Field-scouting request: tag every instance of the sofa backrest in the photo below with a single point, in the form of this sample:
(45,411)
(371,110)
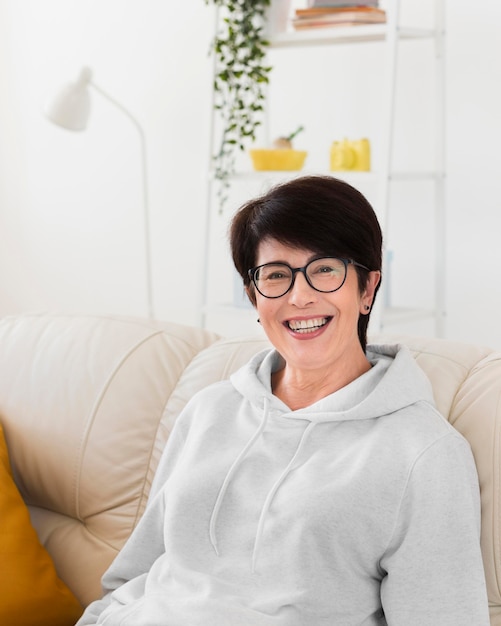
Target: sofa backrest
(81,403)
(87,404)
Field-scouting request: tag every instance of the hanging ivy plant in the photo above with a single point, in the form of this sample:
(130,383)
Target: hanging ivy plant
(241,75)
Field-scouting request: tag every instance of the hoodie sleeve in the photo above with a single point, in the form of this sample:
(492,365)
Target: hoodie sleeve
(145,544)
(433,564)
(132,563)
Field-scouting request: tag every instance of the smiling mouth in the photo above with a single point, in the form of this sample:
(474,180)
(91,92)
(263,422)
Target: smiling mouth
(308,326)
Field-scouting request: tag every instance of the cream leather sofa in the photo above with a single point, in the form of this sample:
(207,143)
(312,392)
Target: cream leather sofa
(87,404)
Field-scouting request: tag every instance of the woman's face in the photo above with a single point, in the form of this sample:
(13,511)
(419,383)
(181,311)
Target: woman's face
(331,318)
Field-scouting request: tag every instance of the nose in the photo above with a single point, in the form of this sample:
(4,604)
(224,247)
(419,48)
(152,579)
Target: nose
(301,293)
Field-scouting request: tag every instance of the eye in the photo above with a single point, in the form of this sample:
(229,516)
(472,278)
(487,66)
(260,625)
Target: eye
(277,277)
(274,273)
(326,268)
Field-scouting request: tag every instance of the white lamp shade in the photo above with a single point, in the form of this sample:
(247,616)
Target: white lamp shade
(70,108)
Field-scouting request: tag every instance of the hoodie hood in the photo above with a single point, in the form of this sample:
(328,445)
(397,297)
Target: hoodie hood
(394,382)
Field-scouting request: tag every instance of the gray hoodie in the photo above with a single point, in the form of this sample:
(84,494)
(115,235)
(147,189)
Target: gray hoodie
(360,509)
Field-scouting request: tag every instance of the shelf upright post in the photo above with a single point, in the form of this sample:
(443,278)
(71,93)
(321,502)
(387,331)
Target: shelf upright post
(204,290)
(440,199)
(387,131)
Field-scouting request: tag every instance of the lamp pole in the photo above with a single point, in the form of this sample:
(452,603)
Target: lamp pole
(70,109)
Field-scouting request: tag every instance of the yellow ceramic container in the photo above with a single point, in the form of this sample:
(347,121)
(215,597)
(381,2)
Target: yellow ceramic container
(278,160)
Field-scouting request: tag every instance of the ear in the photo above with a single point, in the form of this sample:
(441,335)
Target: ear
(251,294)
(369,292)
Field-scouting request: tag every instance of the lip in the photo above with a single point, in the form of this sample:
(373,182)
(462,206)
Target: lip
(306,327)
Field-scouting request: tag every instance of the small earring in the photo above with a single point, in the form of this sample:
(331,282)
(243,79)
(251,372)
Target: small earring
(258,321)
(367,307)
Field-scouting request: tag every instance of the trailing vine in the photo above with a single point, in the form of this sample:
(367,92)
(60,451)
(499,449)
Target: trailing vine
(239,83)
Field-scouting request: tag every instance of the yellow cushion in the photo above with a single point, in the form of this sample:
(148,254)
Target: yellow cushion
(31,594)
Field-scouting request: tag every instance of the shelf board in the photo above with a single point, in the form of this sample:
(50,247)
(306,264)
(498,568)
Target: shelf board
(417,175)
(352,177)
(398,315)
(225,318)
(344,34)
(390,315)
(229,309)
(287,175)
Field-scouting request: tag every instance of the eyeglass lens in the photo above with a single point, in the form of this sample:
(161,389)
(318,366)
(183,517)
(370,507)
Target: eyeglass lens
(275,279)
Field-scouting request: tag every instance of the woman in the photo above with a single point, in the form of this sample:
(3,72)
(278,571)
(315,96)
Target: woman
(319,486)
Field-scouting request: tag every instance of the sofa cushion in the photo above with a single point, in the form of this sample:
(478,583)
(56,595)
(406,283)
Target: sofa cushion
(31,593)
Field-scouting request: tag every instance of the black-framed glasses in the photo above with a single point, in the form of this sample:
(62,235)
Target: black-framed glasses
(326,274)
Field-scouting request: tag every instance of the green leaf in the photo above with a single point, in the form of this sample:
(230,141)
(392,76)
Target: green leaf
(240,51)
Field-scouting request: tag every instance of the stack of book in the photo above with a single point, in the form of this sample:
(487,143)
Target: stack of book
(343,3)
(338,13)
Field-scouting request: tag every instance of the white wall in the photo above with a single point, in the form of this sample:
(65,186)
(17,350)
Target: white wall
(474,181)
(71,224)
(71,234)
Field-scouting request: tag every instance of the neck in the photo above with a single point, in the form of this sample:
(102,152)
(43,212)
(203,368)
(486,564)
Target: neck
(299,388)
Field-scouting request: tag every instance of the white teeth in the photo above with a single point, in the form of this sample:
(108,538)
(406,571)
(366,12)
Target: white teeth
(307,326)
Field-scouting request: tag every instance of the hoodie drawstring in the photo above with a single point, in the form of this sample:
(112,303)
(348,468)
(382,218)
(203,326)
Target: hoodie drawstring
(230,474)
(273,491)
(269,498)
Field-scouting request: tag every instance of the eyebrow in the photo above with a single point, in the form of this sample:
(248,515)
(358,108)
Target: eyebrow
(313,257)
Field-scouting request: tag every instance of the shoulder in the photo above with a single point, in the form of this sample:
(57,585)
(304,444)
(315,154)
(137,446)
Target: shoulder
(420,426)
(416,439)
(217,394)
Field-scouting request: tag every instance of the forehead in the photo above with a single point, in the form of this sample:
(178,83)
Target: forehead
(271,250)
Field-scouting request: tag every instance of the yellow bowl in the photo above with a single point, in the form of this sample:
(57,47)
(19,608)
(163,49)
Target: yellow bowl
(285,160)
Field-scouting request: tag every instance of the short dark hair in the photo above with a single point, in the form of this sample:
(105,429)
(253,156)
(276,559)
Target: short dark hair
(318,213)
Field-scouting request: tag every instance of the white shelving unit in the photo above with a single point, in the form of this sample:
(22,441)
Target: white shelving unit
(230,319)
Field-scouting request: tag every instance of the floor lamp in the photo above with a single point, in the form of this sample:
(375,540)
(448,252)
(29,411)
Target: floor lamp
(70,108)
